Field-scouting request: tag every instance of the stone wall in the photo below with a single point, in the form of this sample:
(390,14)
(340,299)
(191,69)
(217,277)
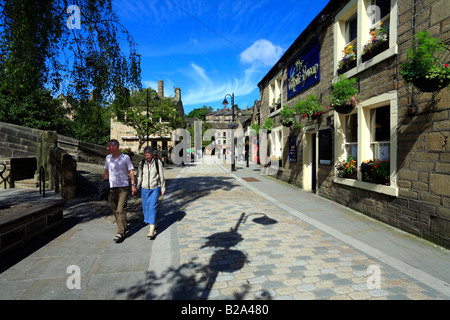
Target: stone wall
(24,150)
(27,222)
(422,206)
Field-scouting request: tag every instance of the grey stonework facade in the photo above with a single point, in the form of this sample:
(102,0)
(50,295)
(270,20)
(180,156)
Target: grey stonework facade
(417,198)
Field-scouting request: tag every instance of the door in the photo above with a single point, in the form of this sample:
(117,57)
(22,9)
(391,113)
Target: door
(310,161)
(313,162)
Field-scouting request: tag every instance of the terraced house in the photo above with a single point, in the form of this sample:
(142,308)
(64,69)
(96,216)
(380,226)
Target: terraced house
(386,152)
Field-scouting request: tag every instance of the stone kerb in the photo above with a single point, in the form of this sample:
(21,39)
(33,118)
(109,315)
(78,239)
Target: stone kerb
(25,223)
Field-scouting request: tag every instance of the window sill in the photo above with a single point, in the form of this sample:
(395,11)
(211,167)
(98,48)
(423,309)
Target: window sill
(392,51)
(379,188)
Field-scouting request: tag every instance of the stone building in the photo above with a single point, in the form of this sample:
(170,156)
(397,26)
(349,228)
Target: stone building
(162,142)
(394,120)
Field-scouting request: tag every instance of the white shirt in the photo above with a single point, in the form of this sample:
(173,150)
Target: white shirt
(118,170)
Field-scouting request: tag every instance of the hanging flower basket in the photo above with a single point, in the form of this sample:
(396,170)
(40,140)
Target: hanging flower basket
(287,118)
(344,96)
(425,67)
(344,108)
(287,123)
(430,85)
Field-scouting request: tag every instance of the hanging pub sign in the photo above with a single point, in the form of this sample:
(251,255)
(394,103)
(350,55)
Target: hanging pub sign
(304,69)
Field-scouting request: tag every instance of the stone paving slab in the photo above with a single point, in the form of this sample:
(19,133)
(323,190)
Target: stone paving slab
(235,244)
(218,238)
(108,270)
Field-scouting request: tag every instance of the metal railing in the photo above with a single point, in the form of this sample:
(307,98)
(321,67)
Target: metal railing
(42,181)
(2,171)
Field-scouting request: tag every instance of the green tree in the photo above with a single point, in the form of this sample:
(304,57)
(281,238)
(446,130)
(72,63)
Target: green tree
(163,114)
(41,56)
(200,113)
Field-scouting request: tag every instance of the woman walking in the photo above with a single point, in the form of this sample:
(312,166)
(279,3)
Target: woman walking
(151,183)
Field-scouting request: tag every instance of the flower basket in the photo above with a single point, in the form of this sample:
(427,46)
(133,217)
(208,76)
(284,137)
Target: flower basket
(424,67)
(378,43)
(347,169)
(344,96)
(344,108)
(310,108)
(375,51)
(287,123)
(348,61)
(430,85)
(347,67)
(376,171)
(316,116)
(287,117)
(126,151)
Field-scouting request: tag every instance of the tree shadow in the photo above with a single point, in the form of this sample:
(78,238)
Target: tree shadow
(194,280)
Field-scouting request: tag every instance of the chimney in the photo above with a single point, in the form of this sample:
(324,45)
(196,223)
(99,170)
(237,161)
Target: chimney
(160,88)
(178,94)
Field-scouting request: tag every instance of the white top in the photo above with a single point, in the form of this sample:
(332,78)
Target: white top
(118,170)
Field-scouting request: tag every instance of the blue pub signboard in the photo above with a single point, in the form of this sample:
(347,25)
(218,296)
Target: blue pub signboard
(304,69)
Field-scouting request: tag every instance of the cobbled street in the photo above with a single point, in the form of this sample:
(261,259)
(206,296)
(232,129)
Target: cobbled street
(221,236)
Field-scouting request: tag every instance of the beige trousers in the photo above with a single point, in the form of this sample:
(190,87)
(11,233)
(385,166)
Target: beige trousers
(118,202)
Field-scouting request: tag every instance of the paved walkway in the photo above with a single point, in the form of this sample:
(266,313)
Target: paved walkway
(227,235)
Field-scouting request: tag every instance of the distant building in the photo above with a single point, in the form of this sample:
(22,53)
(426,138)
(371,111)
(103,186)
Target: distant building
(162,142)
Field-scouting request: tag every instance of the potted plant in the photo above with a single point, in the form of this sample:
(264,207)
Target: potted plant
(424,67)
(347,168)
(127,151)
(310,108)
(268,124)
(255,127)
(232,125)
(348,60)
(377,44)
(287,116)
(376,171)
(344,96)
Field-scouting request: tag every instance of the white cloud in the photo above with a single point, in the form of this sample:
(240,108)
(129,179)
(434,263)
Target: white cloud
(262,51)
(204,89)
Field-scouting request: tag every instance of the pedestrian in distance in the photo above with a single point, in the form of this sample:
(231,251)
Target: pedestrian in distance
(151,182)
(118,167)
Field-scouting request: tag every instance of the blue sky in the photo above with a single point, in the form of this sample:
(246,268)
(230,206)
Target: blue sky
(211,48)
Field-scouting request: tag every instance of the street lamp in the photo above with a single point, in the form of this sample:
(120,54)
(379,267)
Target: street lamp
(156,98)
(225,103)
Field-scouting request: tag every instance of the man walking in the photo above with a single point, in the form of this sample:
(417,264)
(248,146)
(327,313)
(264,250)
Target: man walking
(118,167)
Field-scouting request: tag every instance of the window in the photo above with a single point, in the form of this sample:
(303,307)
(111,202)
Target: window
(356,26)
(369,134)
(380,133)
(352,30)
(275,92)
(351,136)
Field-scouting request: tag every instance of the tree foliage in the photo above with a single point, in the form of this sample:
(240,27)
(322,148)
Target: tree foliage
(40,56)
(131,110)
(200,113)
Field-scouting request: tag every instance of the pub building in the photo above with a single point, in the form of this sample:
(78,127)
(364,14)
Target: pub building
(388,154)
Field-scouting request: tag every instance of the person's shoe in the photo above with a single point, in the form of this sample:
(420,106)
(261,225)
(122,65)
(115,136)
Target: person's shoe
(151,233)
(119,238)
